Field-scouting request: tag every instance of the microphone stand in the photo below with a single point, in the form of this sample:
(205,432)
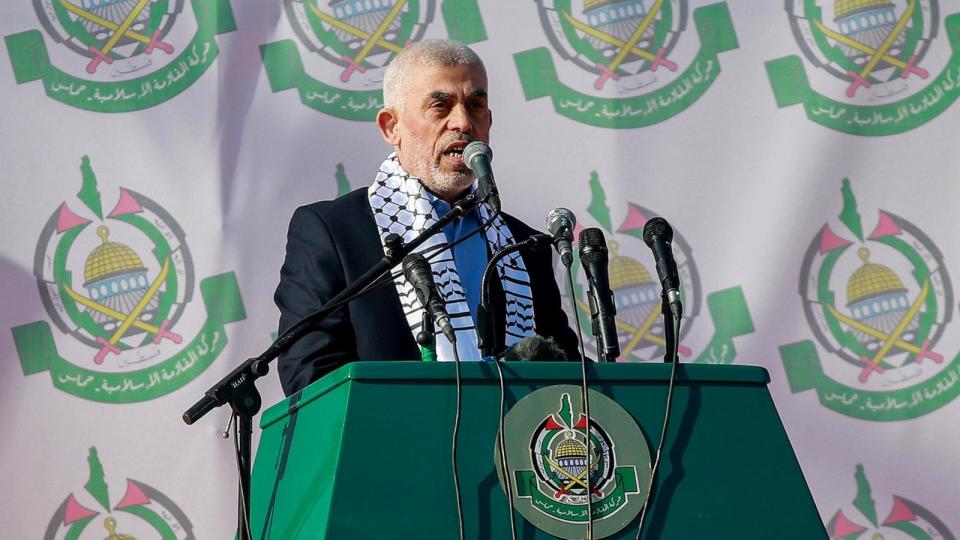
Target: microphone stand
(486,338)
(238,388)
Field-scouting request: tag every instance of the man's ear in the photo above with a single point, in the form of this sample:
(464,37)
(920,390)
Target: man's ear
(388,121)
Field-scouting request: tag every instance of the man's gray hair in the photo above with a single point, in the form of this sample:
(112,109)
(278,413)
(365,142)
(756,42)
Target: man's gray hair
(429,52)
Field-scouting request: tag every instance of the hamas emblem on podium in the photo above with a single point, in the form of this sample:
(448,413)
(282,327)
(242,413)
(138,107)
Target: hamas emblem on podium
(142,512)
(879,304)
(904,519)
(637,293)
(625,63)
(119,289)
(348,44)
(127,55)
(877,67)
(553,472)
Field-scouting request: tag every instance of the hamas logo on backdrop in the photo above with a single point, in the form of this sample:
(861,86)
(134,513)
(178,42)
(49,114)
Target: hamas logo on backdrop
(553,472)
(878,67)
(879,304)
(637,293)
(904,519)
(625,63)
(142,512)
(127,55)
(119,289)
(348,44)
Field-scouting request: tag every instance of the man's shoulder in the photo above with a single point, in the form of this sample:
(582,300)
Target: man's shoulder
(352,201)
(344,210)
(520,230)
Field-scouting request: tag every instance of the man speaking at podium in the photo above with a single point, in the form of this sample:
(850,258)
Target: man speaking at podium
(435,102)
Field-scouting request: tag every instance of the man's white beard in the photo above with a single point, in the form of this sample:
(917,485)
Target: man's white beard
(441,181)
(449,182)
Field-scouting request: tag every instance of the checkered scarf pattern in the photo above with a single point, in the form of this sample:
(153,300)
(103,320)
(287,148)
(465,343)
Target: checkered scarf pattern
(401,205)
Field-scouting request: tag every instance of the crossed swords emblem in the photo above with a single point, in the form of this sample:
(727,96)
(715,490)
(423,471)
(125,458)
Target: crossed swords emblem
(574,479)
(871,365)
(128,319)
(879,54)
(119,31)
(370,40)
(626,48)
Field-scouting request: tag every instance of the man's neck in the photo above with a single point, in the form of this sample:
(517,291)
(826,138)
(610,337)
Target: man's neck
(452,196)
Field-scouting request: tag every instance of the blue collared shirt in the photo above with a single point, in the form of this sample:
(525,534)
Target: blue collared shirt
(470,256)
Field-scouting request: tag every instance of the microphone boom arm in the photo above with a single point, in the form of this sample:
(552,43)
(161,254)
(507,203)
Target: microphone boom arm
(256,367)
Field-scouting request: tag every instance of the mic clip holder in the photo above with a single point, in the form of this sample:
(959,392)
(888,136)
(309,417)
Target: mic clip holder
(670,337)
(425,337)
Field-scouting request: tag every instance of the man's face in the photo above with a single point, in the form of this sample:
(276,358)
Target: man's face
(444,108)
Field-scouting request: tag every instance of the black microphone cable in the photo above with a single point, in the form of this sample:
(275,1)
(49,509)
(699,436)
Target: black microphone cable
(456,432)
(417,271)
(583,391)
(534,242)
(502,450)
(666,421)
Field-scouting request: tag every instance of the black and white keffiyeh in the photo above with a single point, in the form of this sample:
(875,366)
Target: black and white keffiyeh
(402,206)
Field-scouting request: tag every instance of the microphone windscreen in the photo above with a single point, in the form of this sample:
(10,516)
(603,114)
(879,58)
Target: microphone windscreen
(657,228)
(474,149)
(534,349)
(558,218)
(593,246)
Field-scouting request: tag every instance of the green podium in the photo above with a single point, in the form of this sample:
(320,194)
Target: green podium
(364,453)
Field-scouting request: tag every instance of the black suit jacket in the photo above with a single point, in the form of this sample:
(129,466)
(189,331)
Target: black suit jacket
(331,244)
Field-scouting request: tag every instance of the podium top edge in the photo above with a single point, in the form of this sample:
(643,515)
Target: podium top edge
(545,373)
(558,372)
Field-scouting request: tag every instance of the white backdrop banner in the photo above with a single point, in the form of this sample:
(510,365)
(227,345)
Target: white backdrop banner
(805,152)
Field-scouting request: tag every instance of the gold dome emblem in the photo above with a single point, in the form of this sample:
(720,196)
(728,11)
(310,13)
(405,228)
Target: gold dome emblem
(625,271)
(110,259)
(871,280)
(570,448)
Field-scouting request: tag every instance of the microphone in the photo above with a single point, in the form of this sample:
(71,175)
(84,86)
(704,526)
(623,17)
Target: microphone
(658,236)
(603,310)
(560,223)
(477,155)
(417,271)
(534,349)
